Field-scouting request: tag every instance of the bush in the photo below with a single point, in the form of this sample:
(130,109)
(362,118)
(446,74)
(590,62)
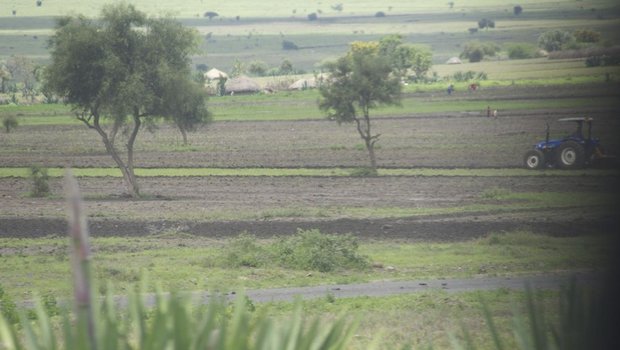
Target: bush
(40,183)
(486,23)
(476,50)
(555,40)
(313,250)
(9,123)
(517,10)
(380,14)
(587,36)
(603,60)
(518,51)
(258,68)
(313,17)
(289,45)
(244,251)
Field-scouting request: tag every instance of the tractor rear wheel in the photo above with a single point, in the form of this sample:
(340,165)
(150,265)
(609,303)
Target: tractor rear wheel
(569,155)
(534,159)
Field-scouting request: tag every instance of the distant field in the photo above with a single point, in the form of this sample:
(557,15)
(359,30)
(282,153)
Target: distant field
(291,8)
(260,29)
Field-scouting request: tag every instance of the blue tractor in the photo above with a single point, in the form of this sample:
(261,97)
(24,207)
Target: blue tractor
(571,152)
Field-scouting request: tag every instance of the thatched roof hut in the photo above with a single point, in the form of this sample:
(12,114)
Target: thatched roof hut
(302,84)
(242,84)
(215,74)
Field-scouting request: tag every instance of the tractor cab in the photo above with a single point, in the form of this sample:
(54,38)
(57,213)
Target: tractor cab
(570,152)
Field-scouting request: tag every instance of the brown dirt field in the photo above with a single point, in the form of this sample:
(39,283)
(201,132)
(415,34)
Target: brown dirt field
(188,205)
(279,205)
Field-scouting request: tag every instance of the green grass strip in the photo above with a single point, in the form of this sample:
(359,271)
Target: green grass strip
(24,172)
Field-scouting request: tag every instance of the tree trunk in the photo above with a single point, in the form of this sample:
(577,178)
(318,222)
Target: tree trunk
(370,146)
(364,129)
(128,177)
(184,134)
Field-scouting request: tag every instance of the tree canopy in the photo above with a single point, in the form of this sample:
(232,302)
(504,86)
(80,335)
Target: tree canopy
(555,40)
(405,57)
(125,66)
(360,81)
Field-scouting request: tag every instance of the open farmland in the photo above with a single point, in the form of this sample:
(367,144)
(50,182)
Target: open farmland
(432,205)
(451,199)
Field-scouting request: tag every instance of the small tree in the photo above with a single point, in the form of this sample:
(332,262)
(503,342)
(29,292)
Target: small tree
(517,10)
(486,23)
(123,67)
(359,82)
(518,51)
(40,185)
(211,14)
(555,40)
(9,123)
(286,67)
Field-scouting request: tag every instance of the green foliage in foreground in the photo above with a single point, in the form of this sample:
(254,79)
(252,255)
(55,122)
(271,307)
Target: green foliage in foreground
(174,324)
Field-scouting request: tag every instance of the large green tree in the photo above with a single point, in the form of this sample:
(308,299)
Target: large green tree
(404,57)
(358,82)
(129,68)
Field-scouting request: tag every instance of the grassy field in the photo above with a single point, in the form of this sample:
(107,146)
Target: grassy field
(179,261)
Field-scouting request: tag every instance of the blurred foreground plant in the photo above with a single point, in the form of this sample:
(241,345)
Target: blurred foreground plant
(172,323)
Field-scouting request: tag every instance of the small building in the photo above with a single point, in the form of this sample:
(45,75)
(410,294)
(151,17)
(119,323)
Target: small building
(215,74)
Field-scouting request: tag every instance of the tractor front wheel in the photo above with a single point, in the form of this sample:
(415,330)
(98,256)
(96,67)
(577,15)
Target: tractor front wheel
(569,155)
(534,159)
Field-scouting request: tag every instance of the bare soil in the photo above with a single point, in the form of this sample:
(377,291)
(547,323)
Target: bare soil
(280,205)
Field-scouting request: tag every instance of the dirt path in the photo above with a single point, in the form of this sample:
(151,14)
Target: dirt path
(386,288)
(389,288)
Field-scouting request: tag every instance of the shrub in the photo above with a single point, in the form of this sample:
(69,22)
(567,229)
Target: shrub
(587,36)
(476,50)
(40,183)
(9,123)
(555,40)
(380,14)
(517,51)
(517,10)
(486,23)
(313,17)
(289,45)
(258,68)
(313,250)
(244,251)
